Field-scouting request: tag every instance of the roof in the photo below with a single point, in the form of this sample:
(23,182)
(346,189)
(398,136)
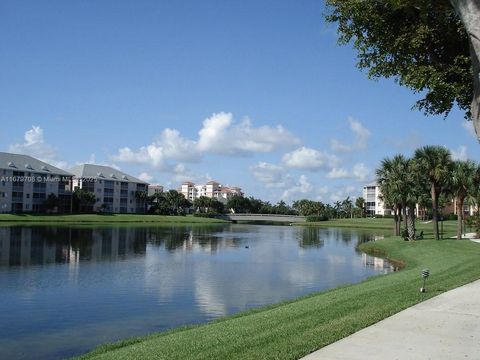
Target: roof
(93,171)
(20,162)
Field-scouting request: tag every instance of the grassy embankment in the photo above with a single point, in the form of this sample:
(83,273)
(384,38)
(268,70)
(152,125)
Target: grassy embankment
(293,329)
(102,219)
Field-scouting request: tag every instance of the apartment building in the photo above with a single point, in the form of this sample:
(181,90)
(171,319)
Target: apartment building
(115,191)
(211,189)
(155,189)
(374,205)
(26,183)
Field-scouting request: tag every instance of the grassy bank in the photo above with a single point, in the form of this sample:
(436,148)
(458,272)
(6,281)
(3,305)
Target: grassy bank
(103,219)
(293,329)
(380,223)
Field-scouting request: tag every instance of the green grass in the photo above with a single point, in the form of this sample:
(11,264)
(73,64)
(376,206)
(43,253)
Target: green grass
(103,219)
(380,223)
(292,329)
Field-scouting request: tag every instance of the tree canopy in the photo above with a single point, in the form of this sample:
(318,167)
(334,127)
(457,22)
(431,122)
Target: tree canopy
(422,44)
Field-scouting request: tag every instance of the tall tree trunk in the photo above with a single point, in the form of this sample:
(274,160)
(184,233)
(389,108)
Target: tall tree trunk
(404,215)
(399,221)
(469,13)
(411,222)
(435,212)
(460,201)
(395,218)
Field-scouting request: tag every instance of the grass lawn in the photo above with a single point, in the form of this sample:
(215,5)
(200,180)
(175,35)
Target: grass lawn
(293,329)
(380,223)
(102,219)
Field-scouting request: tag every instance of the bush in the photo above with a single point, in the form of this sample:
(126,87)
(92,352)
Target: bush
(315,218)
(206,215)
(451,216)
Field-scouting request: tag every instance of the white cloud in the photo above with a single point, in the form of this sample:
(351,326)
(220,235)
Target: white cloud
(468,127)
(36,146)
(360,171)
(342,193)
(145,177)
(339,173)
(273,176)
(309,159)
(302,188)
(169,146)
(92,160)
(220,135)
(361,134)
(460,153)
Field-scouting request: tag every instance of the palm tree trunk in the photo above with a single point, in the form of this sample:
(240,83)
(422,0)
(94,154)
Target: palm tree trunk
(395,218)
(404,214)
(435,213)
(459,217)
(411,223)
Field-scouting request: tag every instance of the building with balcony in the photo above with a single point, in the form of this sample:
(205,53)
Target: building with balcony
(155,189)
(26,183)
(211,189)
(115,191)
(374,204)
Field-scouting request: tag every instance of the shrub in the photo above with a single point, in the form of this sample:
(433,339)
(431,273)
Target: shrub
(315,218)
(451,216)
(206,215)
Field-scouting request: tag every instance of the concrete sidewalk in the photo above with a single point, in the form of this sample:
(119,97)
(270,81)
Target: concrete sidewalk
(444,327)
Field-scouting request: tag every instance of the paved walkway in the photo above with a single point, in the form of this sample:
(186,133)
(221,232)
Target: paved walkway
(446,327)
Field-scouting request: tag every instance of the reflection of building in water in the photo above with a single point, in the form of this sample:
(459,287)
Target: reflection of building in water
(377,263)
(44,245)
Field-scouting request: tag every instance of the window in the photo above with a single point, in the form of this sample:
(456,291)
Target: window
(27,206)
(28,196)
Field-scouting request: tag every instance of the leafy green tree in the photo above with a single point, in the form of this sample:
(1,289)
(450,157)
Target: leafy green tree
(422,44)
(142,197)
(360,204)
(463,181)
(83,200)
(435,164)
(51,202)
(176,202)
(238,204)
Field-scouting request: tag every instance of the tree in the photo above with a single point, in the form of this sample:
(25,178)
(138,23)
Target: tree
(142,198)
(83,200)
(422,44)
(386,181)
(434,163)
(176,202)
(360,204)
(51,202)
(463,181)
(238,204)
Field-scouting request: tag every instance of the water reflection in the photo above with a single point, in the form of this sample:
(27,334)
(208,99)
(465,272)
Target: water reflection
(101,284)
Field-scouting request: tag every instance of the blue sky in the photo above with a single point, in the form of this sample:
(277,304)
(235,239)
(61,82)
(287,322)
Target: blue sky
(250,93)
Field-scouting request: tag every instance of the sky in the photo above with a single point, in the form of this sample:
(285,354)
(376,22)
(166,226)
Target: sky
(255,94)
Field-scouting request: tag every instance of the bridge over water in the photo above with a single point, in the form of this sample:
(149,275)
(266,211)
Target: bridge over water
(263,217)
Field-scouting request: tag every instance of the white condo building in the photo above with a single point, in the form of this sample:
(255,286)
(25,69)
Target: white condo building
(374,205)
(26,183)
(113,189)
(211,189)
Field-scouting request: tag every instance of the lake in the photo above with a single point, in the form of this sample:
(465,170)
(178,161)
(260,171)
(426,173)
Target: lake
(67,289)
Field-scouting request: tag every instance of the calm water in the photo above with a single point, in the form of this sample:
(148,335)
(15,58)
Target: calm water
(65,290)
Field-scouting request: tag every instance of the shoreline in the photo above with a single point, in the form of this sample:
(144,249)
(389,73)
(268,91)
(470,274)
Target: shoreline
(96,219)
(295,328)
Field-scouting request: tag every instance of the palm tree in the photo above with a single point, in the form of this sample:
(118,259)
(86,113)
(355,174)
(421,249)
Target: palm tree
(434,163)
(390,176)
(463,181)
(360,203)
